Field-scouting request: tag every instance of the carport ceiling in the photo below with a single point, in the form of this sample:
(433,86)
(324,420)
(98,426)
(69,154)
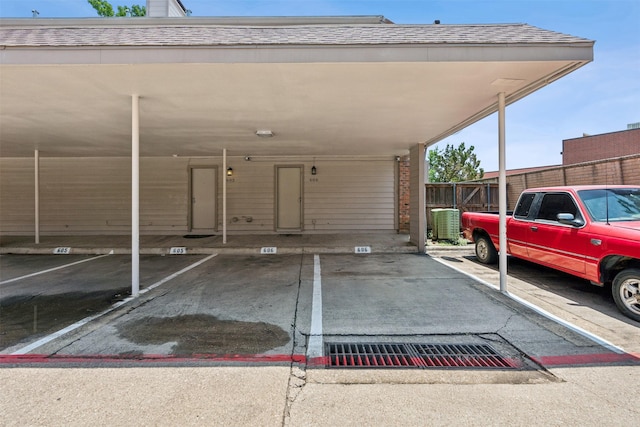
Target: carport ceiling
(317,100)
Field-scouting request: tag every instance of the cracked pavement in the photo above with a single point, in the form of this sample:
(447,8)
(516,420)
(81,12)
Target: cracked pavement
(379,297)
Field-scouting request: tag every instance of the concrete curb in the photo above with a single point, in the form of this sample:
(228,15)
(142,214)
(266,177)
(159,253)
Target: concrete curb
(441,250)
(206,251)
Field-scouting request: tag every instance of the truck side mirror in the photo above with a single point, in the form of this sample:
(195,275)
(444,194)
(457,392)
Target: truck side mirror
(569,219)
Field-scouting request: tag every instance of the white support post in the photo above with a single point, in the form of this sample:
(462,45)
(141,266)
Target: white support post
(224,196)
(37,195)
(422,203)
(135,195)
(502,193)
(418,214)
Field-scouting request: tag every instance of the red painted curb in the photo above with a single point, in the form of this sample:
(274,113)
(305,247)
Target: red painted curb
(151,358)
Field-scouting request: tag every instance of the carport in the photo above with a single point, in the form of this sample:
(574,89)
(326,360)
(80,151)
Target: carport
(254,106)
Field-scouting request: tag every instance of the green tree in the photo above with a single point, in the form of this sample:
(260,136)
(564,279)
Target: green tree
(454,164)
(105,9)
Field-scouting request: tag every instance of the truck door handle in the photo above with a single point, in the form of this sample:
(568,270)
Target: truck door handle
(534,228)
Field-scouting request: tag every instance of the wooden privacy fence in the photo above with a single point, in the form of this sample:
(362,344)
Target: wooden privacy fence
(465,197)
(483,195)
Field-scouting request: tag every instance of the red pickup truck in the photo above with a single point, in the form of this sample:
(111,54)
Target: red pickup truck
(591,232)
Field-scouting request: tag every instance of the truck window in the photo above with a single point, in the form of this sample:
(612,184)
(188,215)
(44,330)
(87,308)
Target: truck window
(524,205)
(612,204)
(553,204)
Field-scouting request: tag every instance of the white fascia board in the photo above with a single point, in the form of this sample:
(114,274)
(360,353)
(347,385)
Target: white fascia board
(295,54)
(151,21)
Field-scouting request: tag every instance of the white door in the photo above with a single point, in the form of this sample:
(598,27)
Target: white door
(203,199)
(289,198)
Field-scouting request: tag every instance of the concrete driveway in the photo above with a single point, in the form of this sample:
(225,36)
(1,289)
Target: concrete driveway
(256,305)
(257,327)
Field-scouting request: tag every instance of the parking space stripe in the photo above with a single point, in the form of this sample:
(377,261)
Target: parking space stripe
(15,279)
(61,332)
(593,337)
(314,348)
(178,273)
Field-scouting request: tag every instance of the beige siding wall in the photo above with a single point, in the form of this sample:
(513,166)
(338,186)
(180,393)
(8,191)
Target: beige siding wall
(16,195)
(175,9)
(93,195)
(84,194)
(163,8)
(164,194)
(353,195)
(250,197)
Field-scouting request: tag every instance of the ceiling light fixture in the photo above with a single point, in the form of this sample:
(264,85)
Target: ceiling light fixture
(264,133)
(502,82)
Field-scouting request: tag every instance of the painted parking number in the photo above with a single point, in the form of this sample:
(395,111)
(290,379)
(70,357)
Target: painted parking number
(363,249)
(62,251)
(269,250)
(178,250)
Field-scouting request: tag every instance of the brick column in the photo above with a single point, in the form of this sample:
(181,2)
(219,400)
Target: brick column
(404,201)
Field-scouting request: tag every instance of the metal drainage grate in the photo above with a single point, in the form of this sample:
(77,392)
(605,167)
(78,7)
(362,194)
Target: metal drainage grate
(461,355)
(369,355)
(407,355)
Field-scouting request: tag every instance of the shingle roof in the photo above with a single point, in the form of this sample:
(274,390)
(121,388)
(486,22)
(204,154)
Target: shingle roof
(217,35)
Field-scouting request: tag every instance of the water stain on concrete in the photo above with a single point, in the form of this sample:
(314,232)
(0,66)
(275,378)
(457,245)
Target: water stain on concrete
(28,317)
(205,334)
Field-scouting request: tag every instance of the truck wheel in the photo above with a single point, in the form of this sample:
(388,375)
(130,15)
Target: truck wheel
(485,251)
(626,292)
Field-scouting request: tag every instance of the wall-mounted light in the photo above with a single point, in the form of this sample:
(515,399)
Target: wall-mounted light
(314,170)
(264,133)
(229,171)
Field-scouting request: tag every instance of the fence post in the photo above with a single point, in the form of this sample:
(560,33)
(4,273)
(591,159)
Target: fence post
(455,196)
(488,196)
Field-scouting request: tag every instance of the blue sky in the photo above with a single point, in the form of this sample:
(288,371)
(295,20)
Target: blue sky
(602,97)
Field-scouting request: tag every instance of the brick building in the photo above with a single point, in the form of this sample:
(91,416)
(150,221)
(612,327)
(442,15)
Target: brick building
(598,147)
(404,195)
